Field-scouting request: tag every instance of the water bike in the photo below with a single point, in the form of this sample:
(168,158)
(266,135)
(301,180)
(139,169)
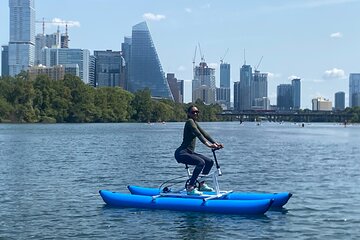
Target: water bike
(165,197)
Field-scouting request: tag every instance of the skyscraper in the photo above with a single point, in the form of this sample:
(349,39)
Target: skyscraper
(224,75)
(237,96)
(340,101)
(69,58)
(354,89)
(284,97)
(245,97)
(259,87)
(146,70)
(45,40)
(296,85)
(223,93)
(22,35)
(92,71)
(107,68)
(203,84)
(4,60)
(176,87)
(126,55)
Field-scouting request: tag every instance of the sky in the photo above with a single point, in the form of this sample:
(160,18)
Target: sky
(315,40)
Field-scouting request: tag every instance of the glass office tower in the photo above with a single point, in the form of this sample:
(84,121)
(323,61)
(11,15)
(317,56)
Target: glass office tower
(22,35)
(224,75)
(284,97)
(146,70)
(340,101)
(4,60)
(296,84)
(223,93)
(69,58)
(108,68)
(246,79)
(354,89)
(259,86)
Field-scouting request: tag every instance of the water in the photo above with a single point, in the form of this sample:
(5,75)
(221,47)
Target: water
(50,176)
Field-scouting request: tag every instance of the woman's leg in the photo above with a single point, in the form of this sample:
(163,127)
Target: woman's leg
(208,163)
(186,157)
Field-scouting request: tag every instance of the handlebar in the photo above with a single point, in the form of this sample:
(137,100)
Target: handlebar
(216,161)
(215,149)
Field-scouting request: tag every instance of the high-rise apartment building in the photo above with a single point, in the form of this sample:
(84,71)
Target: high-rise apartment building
(126,55)
(246,79)
(340,101)
(107,68)
(176,87)
(237,96)
(45,40)
(54,73)
(146,70)
(284,97)
(68,57)
(4,60)
(251,91)
(22,35)
(259,88)
(224,75)
(296,86)
(92,71)
(354,89)
(223,93)
(203,84)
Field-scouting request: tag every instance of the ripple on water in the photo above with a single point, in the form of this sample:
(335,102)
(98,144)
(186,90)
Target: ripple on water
(50,176)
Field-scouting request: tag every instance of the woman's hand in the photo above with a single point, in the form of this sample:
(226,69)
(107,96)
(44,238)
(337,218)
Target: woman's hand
(219,145)
(215,145)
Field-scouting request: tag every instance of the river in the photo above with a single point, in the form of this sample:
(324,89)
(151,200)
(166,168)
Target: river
(50,175)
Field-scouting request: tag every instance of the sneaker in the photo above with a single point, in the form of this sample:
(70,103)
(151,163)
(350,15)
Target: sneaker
(205,188)
(194,191)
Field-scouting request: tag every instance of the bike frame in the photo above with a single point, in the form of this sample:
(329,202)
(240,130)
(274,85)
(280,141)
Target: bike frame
(214,175)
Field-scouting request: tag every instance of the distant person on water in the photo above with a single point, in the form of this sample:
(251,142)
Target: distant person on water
(185,153)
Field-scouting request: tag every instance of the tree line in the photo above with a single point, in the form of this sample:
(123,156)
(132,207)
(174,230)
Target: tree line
(72,101)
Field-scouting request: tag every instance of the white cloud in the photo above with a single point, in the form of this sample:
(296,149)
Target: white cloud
(181,68)
(336,35)
(293,77)
(153,17)
(334,73)
(272,76)
(188,10)
(60,22)
(213,65)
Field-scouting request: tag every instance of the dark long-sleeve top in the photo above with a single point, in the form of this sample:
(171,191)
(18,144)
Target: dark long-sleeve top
(192,130)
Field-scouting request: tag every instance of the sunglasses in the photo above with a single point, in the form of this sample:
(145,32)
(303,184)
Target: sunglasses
(193,112)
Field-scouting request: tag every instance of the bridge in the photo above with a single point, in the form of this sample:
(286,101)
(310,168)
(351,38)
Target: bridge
(294,116)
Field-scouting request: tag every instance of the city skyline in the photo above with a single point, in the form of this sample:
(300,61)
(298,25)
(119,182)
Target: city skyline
(310,40)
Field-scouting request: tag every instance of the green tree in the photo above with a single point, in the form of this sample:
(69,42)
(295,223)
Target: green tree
(82,108)
(142,106)
(5,109)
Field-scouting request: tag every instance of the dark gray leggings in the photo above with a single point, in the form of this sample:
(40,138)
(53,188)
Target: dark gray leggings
(200,162)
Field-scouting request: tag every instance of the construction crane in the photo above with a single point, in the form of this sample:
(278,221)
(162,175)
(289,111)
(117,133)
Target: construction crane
(222,59)
(194,58)
(257,66)
(64,38)
(56,22)
(201,55)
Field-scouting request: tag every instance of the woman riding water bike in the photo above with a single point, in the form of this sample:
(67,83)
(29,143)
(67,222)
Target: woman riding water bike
(186,152)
